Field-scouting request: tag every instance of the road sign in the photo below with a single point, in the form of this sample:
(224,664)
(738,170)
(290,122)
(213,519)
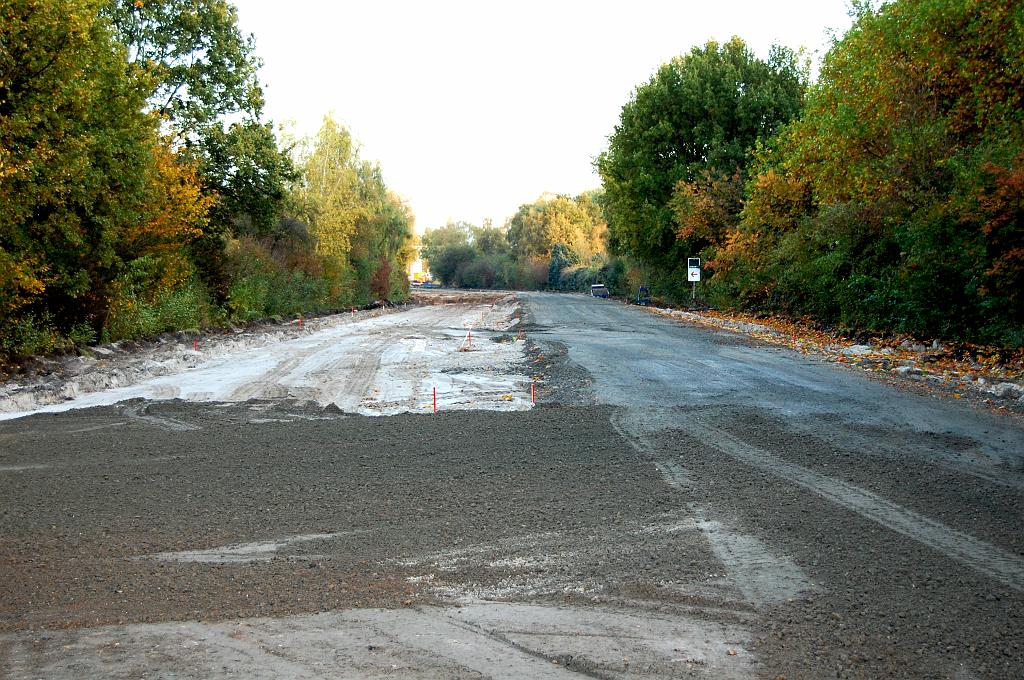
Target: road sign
(693,269)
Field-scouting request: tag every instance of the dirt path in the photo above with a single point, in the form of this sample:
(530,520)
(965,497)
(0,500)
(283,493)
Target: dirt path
(373,364)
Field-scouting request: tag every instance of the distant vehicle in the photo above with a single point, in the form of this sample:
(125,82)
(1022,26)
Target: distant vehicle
(598,290)
(643,296)
(431,284)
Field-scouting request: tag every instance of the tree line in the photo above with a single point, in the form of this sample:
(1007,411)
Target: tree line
(142,191)
(558,242)
(886,196)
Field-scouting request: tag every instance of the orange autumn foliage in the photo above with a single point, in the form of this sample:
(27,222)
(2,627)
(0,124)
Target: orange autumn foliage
(1001,208)
(178,207)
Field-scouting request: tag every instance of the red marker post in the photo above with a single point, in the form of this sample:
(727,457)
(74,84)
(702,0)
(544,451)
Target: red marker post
(195,345)
(300,323)
(533,392)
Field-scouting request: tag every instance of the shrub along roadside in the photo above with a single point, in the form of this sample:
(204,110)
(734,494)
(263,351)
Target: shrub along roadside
(268,282)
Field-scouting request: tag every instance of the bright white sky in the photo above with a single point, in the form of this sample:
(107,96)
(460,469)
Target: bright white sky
(476,107)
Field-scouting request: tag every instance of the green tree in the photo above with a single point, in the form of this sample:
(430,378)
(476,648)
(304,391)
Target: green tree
(204,68)
(561,259)
(893,203)
(77,166)
(206,90)
(449,264)
(697,117)
(437,241)
(490,240)
(329,196)
(576,223)
(381,251)
(351,217)
(245,167)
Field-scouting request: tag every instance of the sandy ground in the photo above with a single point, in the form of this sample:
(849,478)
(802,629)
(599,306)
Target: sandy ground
(463,346)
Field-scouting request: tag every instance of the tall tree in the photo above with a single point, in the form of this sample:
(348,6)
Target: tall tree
(575,223)
(699,115)
(893,203)
(206,90)
(245,168)
(491,240)
(436,241)
(329,197)
(353,219)
(76,162)
(204,68)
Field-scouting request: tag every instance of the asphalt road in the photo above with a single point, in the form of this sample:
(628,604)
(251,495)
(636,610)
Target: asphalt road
(683,503)
(903,511)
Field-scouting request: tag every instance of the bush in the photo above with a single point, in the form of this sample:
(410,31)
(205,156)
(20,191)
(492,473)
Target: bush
(267,282)
(247,297)
(30,335)
(133,314)
(154,294)
(477,274)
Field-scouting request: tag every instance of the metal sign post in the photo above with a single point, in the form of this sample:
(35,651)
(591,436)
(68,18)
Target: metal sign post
(693,275)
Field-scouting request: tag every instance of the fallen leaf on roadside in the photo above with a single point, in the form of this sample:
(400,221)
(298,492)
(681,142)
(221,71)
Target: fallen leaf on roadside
(976,367)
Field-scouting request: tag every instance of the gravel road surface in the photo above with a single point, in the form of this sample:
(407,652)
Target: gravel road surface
(681,503)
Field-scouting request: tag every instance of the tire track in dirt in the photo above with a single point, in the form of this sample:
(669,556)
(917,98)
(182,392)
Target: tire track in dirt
(350,389)
(171,424)
(964,548)
(969,460)
(360,377)
(636,424)
(762,575)
(269,385)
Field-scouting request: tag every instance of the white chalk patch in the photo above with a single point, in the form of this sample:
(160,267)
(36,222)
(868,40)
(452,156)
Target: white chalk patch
(23,468)
(372,366)
(260,551)
(504,641)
